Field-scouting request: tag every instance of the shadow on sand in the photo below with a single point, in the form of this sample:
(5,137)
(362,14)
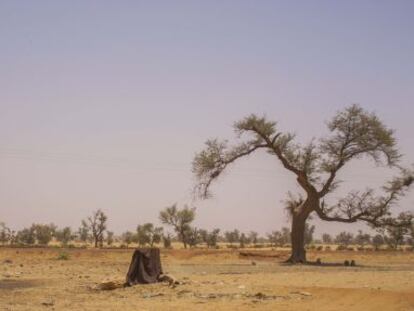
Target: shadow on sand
(16,284)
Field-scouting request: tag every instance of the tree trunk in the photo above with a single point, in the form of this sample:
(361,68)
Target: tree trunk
(298,254)
(183,238)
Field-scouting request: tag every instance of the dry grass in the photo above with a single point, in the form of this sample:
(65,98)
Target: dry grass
(214,280)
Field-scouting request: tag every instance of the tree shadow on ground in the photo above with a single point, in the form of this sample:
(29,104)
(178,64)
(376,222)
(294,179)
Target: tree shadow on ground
(324,264)
(16,284)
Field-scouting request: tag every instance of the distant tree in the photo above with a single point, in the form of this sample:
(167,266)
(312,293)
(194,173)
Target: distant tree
(396,232)
(43,233)
(327,238)
(97,226)
(26,236)
(353,134)
(148,234)
(243,240)
(64,235)
(362,238)
(5,233)
(309,230)
(127,238)
(344,238)
(192,236)
(167,240)
(275,238)
(394,237)
(180,220)
(253,237)
(280,238)
(109,237)
(377,241)
(212,238)
(84,232)
(286,235)
(232,236)
(203,235)
(13,237)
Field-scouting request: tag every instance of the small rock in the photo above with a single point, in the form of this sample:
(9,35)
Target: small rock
(48,303)
(151,295)
(110,285)
(183,292)
(352,264)
(168,278)
(346,263)
(253,263)
(259,295)
(302,294)
(8,261)
(305,294)
(318,261)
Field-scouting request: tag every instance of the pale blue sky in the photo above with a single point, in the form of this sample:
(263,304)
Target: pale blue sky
(103,104)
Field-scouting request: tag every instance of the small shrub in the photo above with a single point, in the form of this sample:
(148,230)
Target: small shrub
(319,248)
(63,256)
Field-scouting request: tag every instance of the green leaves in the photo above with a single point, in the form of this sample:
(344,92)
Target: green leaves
(355,133)
(256,124)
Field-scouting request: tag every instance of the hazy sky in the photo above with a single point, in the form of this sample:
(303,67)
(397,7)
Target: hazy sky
(103,104)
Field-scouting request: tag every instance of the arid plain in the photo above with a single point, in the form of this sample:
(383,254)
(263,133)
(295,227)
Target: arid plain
(35,279)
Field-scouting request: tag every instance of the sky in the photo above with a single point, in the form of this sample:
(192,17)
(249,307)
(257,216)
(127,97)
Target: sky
(103,104)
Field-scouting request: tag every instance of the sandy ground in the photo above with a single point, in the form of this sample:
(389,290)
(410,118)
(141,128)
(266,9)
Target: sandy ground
(213,280)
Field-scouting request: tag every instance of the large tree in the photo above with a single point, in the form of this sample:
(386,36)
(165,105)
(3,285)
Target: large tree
(353,133)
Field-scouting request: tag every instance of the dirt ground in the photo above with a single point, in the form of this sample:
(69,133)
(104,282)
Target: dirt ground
(34,279)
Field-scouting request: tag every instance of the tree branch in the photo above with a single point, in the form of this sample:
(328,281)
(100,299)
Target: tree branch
(365,207)
(221,161)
